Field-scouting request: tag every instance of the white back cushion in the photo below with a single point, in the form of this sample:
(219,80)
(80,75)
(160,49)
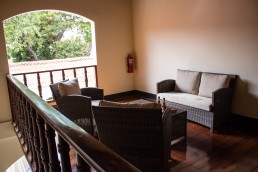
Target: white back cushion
(212,82)
(187,81)
(69,87)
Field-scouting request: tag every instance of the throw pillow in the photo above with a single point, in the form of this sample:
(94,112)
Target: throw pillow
(151,105)
(187,81)
(116,104)
(129,105)
(69,87)
(212,82)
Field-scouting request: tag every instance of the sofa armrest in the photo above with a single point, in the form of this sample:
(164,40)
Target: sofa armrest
(93,92)
(166,86)
(222,100)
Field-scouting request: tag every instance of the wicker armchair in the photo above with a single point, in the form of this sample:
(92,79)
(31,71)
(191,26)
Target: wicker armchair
(136,134)
(79,110)
(93,92)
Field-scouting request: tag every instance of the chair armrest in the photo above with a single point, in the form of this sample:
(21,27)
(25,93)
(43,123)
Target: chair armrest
(93,92)
(222,100)
(166,86)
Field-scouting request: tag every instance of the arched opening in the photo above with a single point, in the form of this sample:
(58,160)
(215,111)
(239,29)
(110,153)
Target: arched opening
(47,46)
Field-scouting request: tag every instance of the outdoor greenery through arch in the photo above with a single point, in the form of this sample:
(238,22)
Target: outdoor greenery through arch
(46,35)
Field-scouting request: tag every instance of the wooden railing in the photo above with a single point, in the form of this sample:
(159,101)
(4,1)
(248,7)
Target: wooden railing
(36,124)
(39,81)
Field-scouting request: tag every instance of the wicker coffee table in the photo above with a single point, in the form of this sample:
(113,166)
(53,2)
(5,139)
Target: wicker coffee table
(178,124)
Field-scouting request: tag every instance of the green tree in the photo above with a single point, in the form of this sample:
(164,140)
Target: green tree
(38,36)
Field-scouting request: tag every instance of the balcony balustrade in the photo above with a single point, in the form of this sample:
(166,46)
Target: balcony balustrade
(36,124)
(39,81)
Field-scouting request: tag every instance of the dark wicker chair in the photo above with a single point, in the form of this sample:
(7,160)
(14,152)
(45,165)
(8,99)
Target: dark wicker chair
(136,134)
(93,92)
(221,104)
(79,110)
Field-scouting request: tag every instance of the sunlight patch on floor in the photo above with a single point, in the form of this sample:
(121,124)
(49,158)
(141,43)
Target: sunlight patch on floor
(21,165)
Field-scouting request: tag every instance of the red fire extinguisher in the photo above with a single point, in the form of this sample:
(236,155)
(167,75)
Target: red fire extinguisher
(130,63)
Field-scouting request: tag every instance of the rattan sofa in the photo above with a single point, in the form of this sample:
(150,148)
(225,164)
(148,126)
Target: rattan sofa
(215,113)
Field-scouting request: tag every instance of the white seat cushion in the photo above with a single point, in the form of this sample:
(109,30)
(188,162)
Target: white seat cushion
(212,82)
(187,81)
(191,100)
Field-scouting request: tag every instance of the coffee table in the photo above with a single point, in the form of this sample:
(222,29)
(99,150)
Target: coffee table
(178,123)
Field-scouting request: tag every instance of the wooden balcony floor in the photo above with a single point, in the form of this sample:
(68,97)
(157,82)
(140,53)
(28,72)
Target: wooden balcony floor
(230,149)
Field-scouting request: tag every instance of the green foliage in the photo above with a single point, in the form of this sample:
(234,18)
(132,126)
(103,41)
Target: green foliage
(70,48)
(38,36)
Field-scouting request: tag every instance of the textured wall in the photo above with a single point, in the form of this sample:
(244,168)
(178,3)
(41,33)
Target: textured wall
(215,36)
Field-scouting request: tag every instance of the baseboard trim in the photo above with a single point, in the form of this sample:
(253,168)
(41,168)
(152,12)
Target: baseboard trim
(145,95)
(244,121)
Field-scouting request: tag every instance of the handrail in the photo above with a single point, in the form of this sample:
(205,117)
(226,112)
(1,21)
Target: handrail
(51,76)
(36,122)
(53,70)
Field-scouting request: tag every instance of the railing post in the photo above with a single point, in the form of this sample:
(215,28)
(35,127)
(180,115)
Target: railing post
(33,152)
(39,85)
(18,113)
(28,125)
(54,165)
(43,143)
(63,74)
(86,76)
(12,95)
(25,79)
(18,117)
(96,76)
(21,121)
(74,72)
(36,142)
(63,149)
(51,77)
(26,131)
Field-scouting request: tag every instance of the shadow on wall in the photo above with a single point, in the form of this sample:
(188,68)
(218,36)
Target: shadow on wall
(244,102)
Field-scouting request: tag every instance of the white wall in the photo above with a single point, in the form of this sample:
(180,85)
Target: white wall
(215,36)
(114,39)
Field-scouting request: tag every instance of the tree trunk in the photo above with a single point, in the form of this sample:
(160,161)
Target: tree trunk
(59,36)
(29,49)
(32,52)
